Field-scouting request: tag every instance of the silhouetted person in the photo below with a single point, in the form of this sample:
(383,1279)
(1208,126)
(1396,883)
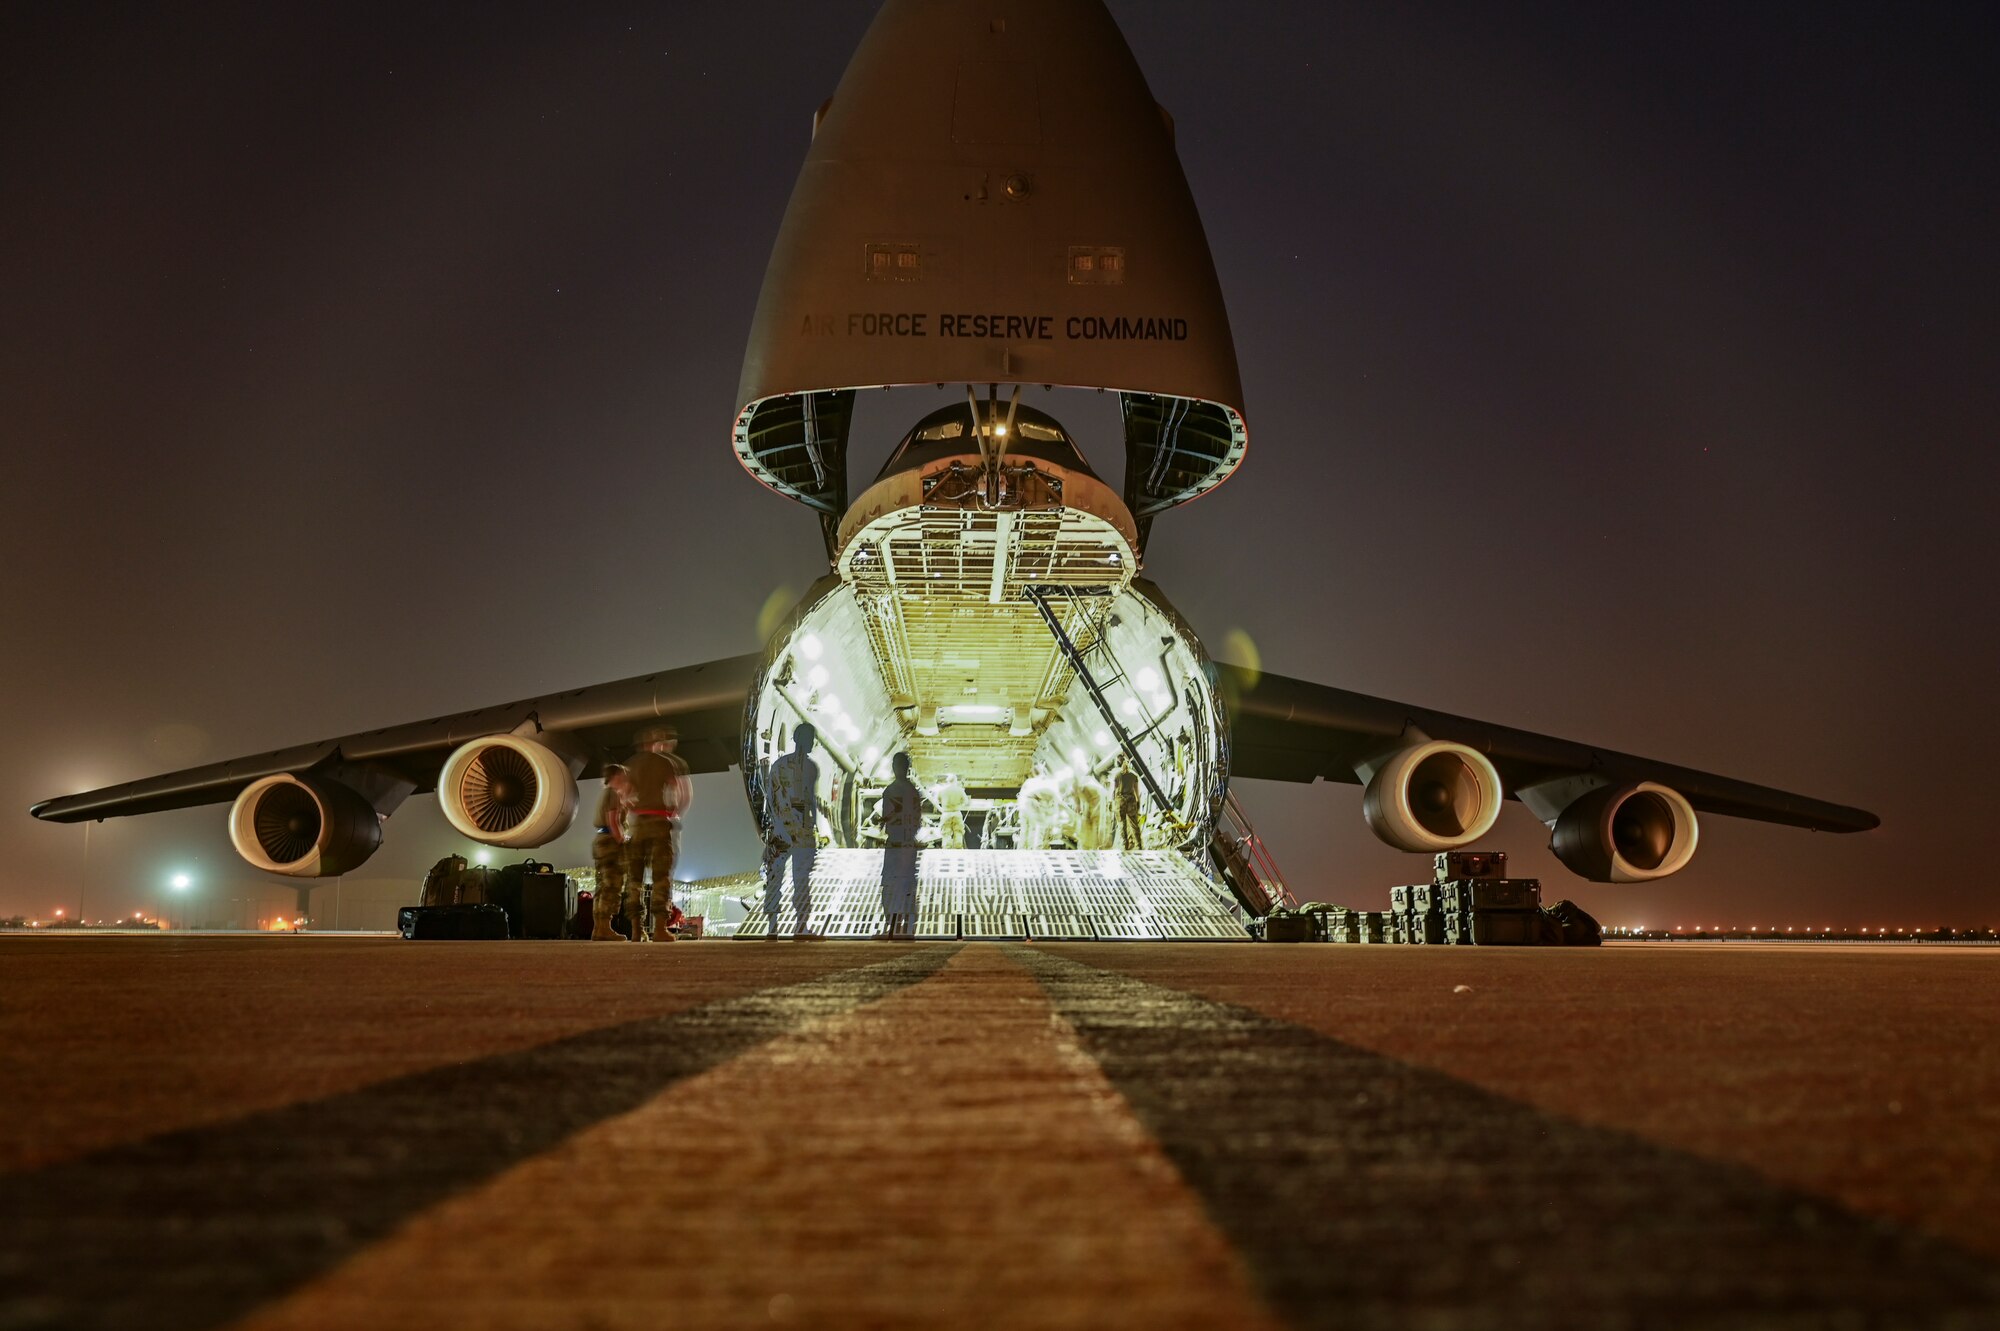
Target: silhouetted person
(660,792)
(791,812)
(902,811)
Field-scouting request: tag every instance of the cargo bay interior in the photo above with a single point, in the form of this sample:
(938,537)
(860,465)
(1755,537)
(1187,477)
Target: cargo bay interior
(937,635)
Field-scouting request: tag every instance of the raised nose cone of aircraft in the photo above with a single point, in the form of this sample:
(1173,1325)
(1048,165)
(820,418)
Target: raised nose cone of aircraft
(992,196)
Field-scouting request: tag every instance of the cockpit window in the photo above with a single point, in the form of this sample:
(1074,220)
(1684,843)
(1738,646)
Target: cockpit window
(950,432)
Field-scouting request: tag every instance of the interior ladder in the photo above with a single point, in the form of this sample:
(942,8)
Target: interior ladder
(1246,865)
(1039,595)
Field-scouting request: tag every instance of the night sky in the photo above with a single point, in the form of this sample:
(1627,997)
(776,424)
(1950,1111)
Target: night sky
(1625,372)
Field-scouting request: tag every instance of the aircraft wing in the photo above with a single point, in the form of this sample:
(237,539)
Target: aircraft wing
(704,702)
(1291,730)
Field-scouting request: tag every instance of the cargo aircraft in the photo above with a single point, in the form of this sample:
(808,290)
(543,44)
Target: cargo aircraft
(991,202)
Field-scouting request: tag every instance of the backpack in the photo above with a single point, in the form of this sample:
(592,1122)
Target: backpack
(441,883)
(1579,927)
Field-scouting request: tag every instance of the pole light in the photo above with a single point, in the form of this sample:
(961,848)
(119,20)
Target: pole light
(181,882)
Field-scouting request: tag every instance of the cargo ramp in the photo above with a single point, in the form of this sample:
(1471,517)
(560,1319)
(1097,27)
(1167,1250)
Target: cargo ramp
(1080,895)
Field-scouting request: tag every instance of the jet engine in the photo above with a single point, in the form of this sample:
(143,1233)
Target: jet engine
(1626,834)
(509,790)
(1432,796)
(304,826)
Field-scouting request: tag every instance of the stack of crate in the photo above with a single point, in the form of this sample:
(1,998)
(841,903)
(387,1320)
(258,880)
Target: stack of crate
(1470,901)
(1419,910)
(1478,904)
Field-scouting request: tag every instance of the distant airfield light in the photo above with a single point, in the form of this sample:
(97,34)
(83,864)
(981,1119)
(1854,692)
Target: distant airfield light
(870,754)
(182,882)
(59,914)
(831,702)
(1149,679)
(1102,739)
(482,856)
(811,647)
(817,677)
(1130,707)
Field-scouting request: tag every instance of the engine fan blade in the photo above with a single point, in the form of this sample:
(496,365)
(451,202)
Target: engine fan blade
(287,823)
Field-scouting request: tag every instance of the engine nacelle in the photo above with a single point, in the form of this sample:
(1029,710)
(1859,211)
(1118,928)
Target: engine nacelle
(304,826)
(1432,796)
(1626,834)
(509,790)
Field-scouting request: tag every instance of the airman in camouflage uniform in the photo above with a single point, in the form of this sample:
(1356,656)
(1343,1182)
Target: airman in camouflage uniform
(607,854)
(1125,797)
(660,792)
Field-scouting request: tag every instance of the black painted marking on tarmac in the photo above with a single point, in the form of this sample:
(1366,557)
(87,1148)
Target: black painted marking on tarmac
(1364,1192)
(198,1227)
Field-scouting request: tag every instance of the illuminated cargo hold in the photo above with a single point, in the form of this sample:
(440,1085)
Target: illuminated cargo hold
(925,639)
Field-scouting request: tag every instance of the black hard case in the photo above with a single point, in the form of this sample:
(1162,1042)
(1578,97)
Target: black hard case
(1452,864)
(535,897)
(1494,928)
(1299,928)
(1481,894)
(483,921)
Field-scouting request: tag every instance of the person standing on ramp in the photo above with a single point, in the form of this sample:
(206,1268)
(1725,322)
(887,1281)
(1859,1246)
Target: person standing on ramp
(902,825)
(791,812)
(1125,796)
(660,792)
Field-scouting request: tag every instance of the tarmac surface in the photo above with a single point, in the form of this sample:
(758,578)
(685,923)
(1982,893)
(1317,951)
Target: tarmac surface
(335,1132)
